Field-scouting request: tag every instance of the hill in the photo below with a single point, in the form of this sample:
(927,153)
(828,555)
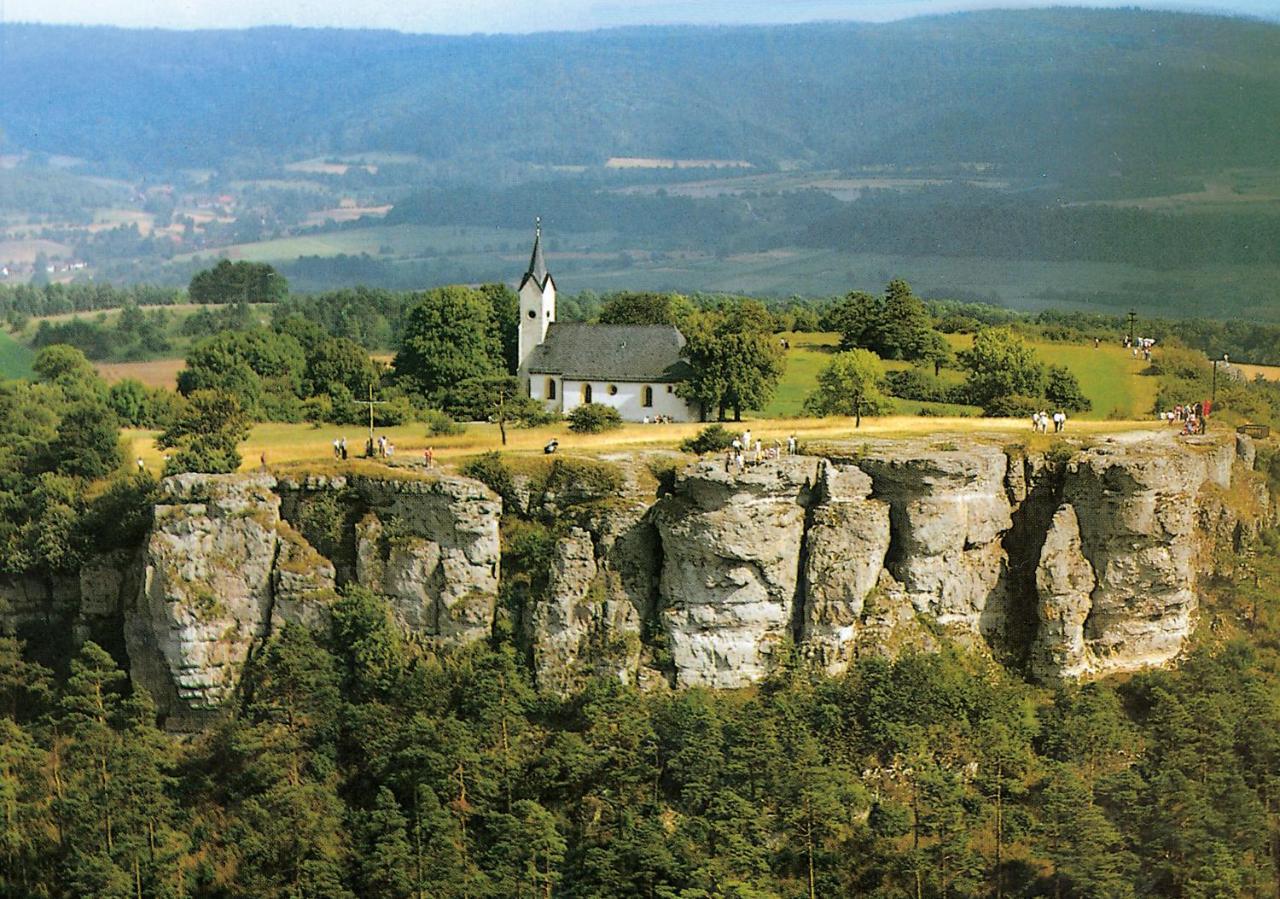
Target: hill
(1076,95)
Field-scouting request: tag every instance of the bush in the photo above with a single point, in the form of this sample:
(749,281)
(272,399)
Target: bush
(711,439)
(490,470)
(594,418)
(1013,406)
(440,424)
(574,481)
(917,384)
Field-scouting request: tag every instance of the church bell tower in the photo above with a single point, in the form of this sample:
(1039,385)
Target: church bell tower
(537,299)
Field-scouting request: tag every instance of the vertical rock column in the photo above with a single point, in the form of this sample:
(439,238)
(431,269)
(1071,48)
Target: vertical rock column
(206,591)
(731,546)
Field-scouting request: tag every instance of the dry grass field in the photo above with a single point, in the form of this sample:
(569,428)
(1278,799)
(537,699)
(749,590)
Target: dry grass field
(290,444)
(156,373)
(1266,372)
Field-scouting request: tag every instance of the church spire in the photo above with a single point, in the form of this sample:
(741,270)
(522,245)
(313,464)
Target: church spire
(537,265)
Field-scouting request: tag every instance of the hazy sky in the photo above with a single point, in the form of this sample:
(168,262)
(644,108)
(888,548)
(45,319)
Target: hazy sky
(466,16)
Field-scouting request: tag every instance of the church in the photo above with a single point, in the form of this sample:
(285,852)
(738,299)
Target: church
(633,368)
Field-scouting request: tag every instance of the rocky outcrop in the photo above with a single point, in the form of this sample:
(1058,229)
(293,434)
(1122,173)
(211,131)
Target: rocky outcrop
(1078,563)
(206,591)
(845,547)
(1118,575)
(731,550)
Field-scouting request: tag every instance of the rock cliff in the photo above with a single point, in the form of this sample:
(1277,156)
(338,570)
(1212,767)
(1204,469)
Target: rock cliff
(1078,563)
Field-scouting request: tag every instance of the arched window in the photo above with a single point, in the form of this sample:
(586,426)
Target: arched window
(648,396)
(586,393)
(551,388)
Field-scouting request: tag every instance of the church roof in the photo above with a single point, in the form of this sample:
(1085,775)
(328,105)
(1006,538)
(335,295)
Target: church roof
(611,353)
(537,264)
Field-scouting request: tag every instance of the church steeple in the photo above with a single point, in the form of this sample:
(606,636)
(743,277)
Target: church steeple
(537,264)
(537,300)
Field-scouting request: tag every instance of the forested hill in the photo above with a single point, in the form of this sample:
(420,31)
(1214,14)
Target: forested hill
(1059,93)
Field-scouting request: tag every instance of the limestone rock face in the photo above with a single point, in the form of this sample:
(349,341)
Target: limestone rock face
(1136,507)
(1078,564)
(206,591)
(731,547)
(948,509)
(588,625)
(431,546)
(1064,582)
(303,582)
(845,547)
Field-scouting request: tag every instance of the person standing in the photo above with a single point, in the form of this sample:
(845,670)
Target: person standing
(343,449)
(791,445)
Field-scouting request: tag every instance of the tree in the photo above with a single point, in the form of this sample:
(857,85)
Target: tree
(231,282)
(497,399)
(337,362)
(506,322)
(1084,847)
(448,337)
(1062,390)
(1000,364)
(88,441)
(902,329)
(736,363)
(849,385)
(206,434)
(644,309)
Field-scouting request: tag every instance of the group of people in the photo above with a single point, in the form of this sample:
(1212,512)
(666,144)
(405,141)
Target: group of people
(658,420)
(340,447)
(1140,345)
(382,448)
(1193,416)
(744,452)
(1040,422)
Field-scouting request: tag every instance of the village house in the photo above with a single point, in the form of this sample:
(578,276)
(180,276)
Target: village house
(633,368)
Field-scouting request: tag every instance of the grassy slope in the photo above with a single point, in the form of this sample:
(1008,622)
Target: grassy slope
(1108,375)
(15,358)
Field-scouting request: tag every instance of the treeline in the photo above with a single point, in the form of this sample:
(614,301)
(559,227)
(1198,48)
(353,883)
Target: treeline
(361,763)
(26,300)
(985,224)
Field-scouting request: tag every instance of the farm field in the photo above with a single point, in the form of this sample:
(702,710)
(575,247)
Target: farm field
(286,445)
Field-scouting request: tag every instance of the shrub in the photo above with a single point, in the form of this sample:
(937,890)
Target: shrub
(711,439)
(594,418)
(440,424)
(1013,406)
(490,470)
(917,384)
(574,481)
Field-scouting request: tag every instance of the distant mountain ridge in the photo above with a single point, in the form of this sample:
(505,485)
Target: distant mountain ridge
(1067,94)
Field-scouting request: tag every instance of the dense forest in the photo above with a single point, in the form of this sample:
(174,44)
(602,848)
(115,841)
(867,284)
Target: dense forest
(360,763)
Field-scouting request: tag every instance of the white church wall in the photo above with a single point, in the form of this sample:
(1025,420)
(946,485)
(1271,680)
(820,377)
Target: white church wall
(627,397)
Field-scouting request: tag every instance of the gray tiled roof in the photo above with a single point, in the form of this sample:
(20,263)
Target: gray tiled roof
(611,353)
